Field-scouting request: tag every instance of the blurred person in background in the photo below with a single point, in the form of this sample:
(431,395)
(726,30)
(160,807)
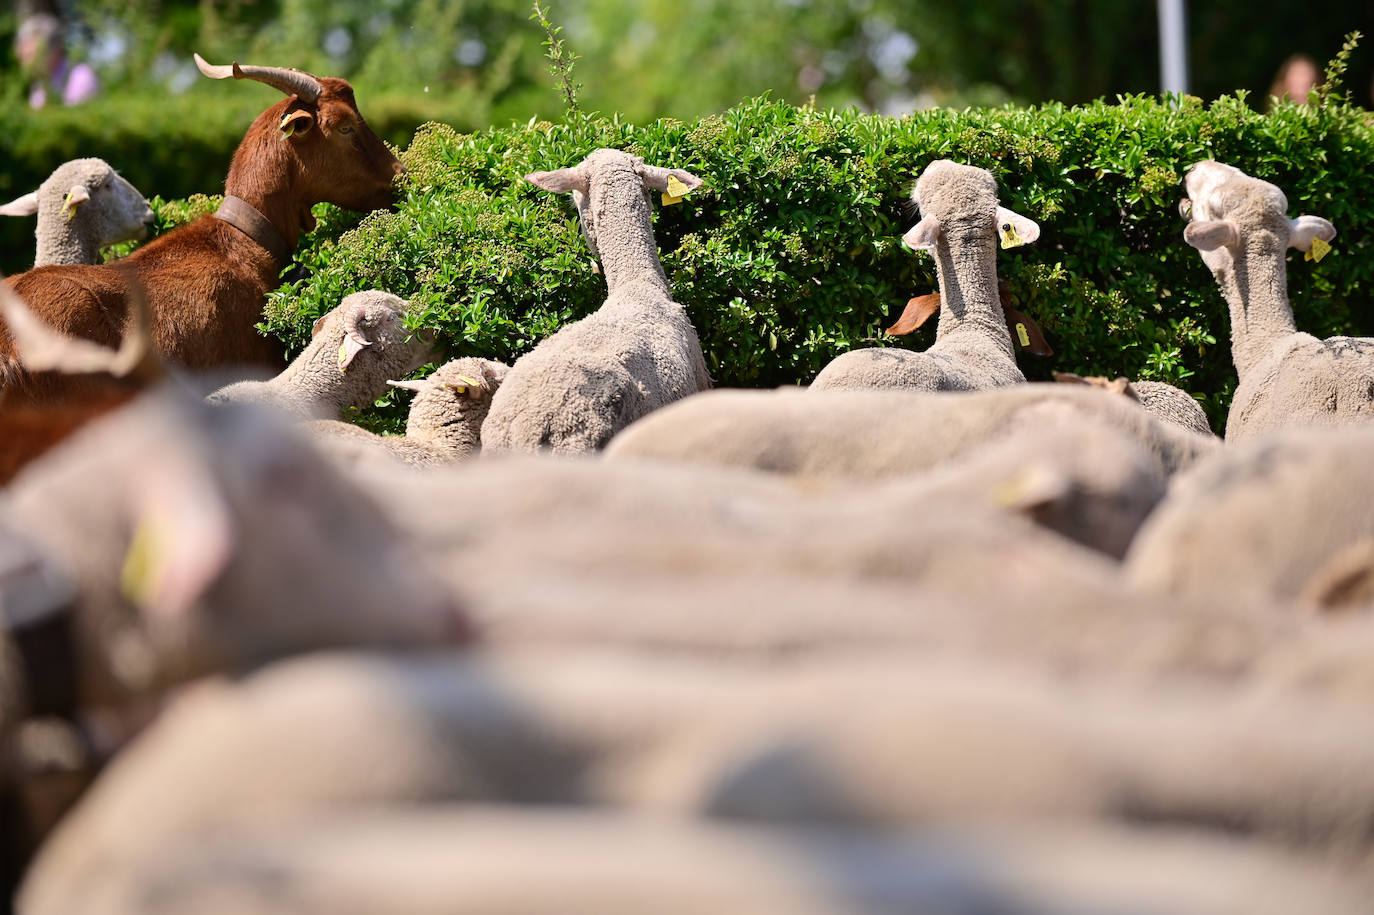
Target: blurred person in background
(42,54)
(1296,78)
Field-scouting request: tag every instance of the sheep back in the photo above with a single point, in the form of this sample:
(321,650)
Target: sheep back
(1305,381)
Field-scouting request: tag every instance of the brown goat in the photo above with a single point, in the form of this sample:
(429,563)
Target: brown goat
(102,380)
(206,282)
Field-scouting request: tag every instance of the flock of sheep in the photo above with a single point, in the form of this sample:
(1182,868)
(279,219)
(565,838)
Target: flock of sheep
(590,637)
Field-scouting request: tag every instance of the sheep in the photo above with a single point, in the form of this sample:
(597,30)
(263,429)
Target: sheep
(354,349)
(444,425)
(1289,516)
(1287,378)
(204,539)
(874,745)
(960,224)
(1164,402)
(868,434)
(636,353)
(206,282)
(83,206)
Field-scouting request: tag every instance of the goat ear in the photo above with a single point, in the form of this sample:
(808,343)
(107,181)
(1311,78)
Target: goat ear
(1345,582)
(1025,333)
(296,123)
(1014,229)
(916,313)
(1210,234)
(182,539)
(1305,228)
(657,178)
(21,206)
(560,181)
(75,197)
(923,235)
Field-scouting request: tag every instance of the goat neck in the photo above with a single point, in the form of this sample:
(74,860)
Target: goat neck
(266,175)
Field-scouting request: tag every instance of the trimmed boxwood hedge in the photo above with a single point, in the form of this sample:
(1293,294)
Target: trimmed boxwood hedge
(790,254)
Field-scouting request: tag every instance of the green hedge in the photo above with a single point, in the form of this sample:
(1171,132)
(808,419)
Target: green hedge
(790,255)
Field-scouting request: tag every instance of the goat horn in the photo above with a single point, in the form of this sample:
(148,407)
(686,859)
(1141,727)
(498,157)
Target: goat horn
(292,82)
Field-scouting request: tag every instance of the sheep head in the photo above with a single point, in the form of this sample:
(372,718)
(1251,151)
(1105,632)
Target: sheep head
(318,136)
(110,209)
(961,201)
(1229,210)
(607,173)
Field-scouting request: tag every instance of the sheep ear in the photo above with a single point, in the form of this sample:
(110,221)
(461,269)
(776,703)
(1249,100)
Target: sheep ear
(315,328)
(923,235)
(182,539)
(1035,488)
(1345,582)
(561,181)
(1210,234)
(494,372)
(916,313)
(1305,228)
(21,206)
(1069,378)
(1014,229)
(416,386)
(657,179)
(1025,333)
(75,197)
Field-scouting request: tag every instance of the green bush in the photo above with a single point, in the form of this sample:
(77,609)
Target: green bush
(790,254)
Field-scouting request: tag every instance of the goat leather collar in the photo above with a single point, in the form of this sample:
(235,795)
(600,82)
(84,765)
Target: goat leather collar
(243,216)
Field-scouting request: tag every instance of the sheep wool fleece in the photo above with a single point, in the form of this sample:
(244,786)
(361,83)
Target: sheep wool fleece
(636,353)
(972,349)
(1287,378)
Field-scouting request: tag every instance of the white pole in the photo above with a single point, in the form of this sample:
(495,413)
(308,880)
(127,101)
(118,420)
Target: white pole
(1173,46)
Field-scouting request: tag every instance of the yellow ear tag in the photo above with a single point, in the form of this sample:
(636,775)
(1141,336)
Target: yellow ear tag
(343,356)
(136,576)
(68,207)
(1022,337)
(287,126)
(1009,237)
(1318,250)
(676,191)
(467,380)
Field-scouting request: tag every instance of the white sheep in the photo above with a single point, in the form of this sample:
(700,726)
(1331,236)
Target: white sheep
(636,353)
(444,424)
(960,226)
(1287,378)
(354,349)
(1288,516)
(873,434)
(1164,402)
(83,206)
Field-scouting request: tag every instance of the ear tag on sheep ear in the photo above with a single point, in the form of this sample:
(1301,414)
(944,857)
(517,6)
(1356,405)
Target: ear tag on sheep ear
(676,191)
(1010,238)
(1021,336)
(343,356)
(1318,250)
(136,577)
(75,197)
